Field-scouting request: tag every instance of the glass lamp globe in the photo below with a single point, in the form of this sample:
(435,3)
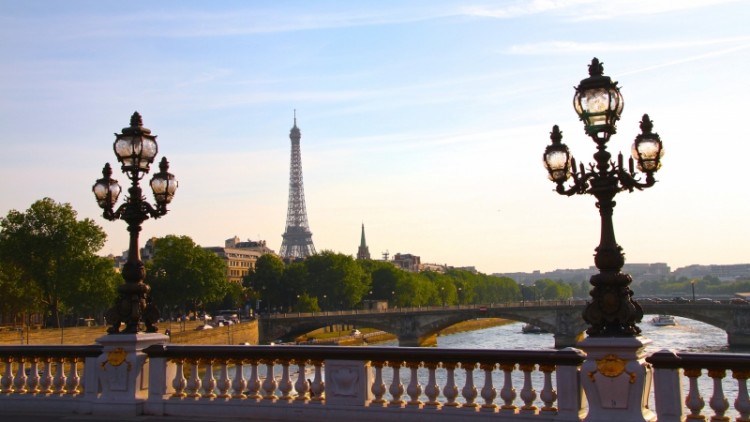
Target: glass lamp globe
(135,147)
(163,184)
(557,159)
(106,190)
(598,102)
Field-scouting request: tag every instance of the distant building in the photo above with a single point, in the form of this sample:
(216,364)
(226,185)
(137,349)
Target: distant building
(240,257)
(437,268)
(363,252)
(723,272)
(407,262)
(639,272)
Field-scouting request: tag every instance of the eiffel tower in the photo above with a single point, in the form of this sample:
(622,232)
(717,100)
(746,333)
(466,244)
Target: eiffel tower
(297,237)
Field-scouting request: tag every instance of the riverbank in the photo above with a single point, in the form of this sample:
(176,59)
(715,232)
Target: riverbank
(180,333)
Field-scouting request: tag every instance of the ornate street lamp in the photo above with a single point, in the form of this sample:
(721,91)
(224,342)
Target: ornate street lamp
(135,149)
(598,102)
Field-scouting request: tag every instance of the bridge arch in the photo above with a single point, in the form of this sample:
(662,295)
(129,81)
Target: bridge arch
(418,326)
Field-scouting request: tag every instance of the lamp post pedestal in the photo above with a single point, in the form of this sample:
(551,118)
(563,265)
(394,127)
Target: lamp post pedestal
(123,373)
(616,379)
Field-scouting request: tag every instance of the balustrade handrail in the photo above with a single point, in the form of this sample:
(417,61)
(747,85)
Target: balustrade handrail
(51,351)
(565,357)
(427,309)
(687,360)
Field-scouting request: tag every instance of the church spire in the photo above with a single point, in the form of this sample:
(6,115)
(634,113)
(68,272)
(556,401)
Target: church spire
(364,251)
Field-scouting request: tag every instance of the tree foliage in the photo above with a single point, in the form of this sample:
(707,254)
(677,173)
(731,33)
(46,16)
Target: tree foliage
(185,276)
(48,255)
(332,281)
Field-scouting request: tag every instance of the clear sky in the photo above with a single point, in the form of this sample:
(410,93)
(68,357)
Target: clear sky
(426,120)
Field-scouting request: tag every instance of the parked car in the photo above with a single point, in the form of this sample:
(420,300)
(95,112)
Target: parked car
(227,317)
(705,300)
(680,300)
(738,301)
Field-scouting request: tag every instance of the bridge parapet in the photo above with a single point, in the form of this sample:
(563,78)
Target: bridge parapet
(416,326)
(339,383)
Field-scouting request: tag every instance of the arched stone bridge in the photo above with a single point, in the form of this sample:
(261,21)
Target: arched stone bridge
(418,326)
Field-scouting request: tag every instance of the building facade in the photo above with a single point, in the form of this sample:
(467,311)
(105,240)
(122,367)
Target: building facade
(407,262)
(240,257)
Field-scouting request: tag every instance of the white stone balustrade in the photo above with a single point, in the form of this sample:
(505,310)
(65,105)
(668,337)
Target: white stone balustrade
(704,372)
(339,383)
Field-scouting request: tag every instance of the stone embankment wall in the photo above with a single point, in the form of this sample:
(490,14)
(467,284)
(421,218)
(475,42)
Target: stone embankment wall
(245,332)
(180,333)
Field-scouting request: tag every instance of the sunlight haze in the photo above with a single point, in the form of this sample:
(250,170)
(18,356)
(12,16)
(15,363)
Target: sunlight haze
(424,120)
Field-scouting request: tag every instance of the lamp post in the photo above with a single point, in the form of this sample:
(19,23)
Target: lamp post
(692,285)
(598,103)
(135,149)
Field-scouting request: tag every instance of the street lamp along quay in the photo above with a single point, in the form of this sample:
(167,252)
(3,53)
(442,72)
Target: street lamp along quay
(135,149)
(598,103)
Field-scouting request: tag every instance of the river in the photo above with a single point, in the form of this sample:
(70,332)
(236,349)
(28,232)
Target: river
(687,336)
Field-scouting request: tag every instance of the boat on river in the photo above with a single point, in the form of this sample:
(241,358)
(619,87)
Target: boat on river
(532,329)
(663,320)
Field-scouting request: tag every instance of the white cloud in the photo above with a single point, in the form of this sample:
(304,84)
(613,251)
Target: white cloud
(580,10)
(566,47)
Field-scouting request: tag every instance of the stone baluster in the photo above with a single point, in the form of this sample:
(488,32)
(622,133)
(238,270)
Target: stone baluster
(301,385)
(209,381)
(58,382)
(378,387)
(488,390)
(19,381)
(179,382)
(194,382)
(318,386)
(508,392)
(224,384)
(450,390)
(694,401)
(253,384)
(528,394)
(74,380)
(432,389)
(469,391)
(269,384)
(548,394)
(285,384)
(718,402)
(396,388)
(6,381)
(742,403)
(238,382)
(45,382)
(32,383)
(414,389)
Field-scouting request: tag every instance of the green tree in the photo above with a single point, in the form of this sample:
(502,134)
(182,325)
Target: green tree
(17,298)
(415,290)
(184,275)
(103,288)
(336,279)
(384,282)
(265,282)
(48,248)
(306,303)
